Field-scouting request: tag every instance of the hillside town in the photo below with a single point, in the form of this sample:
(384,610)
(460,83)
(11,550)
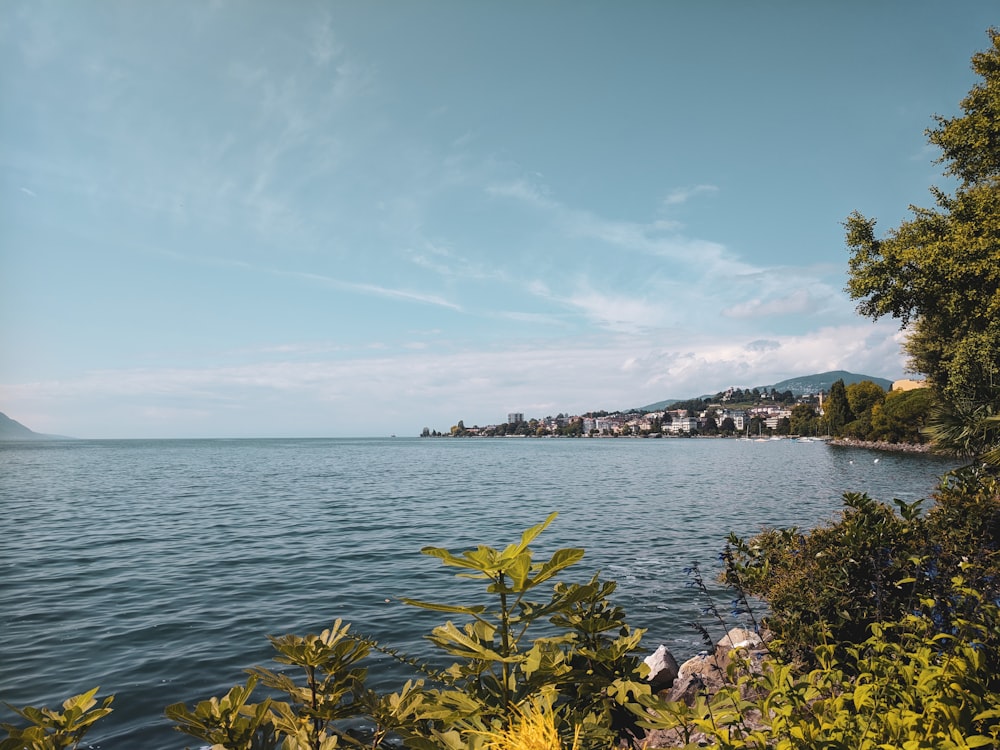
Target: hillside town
(730,413)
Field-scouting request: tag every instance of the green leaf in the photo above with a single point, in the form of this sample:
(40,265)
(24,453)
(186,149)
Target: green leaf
(448,558)
(560,560)
(518,571)
(978,740)
(530,534)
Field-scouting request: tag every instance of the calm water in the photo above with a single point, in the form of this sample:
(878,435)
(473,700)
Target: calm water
(155,569)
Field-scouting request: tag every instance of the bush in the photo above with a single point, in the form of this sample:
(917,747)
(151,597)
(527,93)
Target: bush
(905,686)
(875,564)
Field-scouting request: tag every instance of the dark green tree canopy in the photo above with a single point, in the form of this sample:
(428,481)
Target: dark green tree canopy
(939,272)
(837,408)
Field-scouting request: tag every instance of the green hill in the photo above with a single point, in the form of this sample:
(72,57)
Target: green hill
(800,386)
(811,384)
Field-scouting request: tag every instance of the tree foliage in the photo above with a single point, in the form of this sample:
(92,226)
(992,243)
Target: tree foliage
(837,408)
(938,273)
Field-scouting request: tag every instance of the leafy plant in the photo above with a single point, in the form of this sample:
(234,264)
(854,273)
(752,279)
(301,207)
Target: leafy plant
(49,729)
(534,728)
(838,578)
(584,664)
(582,669)
(905,686)
(228,722)
(876,563)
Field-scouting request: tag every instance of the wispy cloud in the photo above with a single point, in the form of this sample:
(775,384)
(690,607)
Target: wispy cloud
(324,46)
(622,312)
(683,195)
(402,390)
(318,278)
(661,238)
(798,302)
(446,263)
(28,192)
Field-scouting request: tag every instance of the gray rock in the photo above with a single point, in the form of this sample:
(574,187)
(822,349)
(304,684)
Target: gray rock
(662,669)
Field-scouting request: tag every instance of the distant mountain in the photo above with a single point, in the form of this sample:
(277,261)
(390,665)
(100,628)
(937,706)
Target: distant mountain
(806,385)
(11,429)
(812,384)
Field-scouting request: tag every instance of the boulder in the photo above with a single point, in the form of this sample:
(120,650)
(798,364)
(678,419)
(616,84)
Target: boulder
(662,669)
(704,666)
(741,645)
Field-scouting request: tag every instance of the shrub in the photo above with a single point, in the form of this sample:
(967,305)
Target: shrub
(49,729)
(874,564)
(905,686)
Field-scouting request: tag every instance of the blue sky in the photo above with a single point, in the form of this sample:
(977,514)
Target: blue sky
(229,219)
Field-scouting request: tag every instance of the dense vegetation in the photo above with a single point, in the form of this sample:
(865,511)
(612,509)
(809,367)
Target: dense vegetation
(939,272)
(886,620)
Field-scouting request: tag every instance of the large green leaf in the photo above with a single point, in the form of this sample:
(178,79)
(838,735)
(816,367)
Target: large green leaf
(448,558)
(530,534)
(559,561)
(458,643)
(518,571)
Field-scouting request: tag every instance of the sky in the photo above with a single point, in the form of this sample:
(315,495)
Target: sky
(353,219)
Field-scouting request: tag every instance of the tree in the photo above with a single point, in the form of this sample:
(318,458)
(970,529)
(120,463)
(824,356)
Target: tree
(803,420)
(939,272)
(863,396)
(837,409)
(901,417)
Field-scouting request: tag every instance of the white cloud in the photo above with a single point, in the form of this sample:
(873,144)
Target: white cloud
(324,46)
(798,302)
(661,238)
(402,391)
(28,192)
(683,195)
(620,312)
(763,345)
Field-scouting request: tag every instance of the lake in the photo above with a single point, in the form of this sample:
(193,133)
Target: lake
(156,569)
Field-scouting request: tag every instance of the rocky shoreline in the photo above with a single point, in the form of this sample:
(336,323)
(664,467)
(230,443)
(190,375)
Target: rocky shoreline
(882,445)
(705,674)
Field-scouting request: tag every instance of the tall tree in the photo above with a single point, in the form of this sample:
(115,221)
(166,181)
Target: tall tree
(837,409)
(939,272)
(803,420)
